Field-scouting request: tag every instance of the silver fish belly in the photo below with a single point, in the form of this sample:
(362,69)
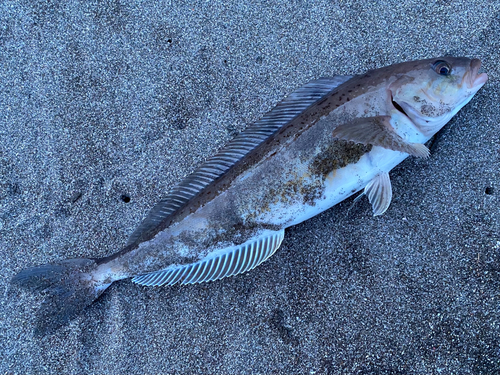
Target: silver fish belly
(328,140)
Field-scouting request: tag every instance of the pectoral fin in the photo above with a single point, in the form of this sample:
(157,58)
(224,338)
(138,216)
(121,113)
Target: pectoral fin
(378,131)
(379,193)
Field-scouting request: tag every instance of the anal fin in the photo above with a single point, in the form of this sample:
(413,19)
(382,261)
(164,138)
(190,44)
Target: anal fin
(378,131)
(219,264)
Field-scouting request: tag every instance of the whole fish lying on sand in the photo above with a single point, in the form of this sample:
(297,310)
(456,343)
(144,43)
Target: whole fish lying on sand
(326,141)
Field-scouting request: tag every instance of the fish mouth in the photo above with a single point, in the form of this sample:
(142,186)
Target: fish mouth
(476,79)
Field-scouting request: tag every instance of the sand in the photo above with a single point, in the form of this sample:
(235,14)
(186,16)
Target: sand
(104,105)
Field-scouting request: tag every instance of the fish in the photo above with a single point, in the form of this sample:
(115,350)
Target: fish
(329,139)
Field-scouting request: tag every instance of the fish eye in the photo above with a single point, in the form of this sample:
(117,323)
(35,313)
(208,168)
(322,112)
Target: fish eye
(442,67)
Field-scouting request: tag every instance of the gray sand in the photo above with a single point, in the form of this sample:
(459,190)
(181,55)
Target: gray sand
(104,100)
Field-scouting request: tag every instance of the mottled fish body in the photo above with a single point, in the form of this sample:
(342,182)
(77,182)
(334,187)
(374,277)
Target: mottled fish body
(328,140)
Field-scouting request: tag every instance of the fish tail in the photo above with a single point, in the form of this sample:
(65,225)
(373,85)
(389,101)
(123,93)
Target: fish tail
(69,286)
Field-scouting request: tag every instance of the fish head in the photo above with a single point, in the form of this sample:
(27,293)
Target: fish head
(430,92)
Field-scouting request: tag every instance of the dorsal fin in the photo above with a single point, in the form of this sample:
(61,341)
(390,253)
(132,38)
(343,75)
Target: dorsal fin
(250,138)
(223,263)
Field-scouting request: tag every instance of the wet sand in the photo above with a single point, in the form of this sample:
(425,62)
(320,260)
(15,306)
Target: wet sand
(105,105)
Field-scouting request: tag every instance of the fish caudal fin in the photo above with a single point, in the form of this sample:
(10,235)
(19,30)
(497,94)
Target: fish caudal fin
(68,286)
